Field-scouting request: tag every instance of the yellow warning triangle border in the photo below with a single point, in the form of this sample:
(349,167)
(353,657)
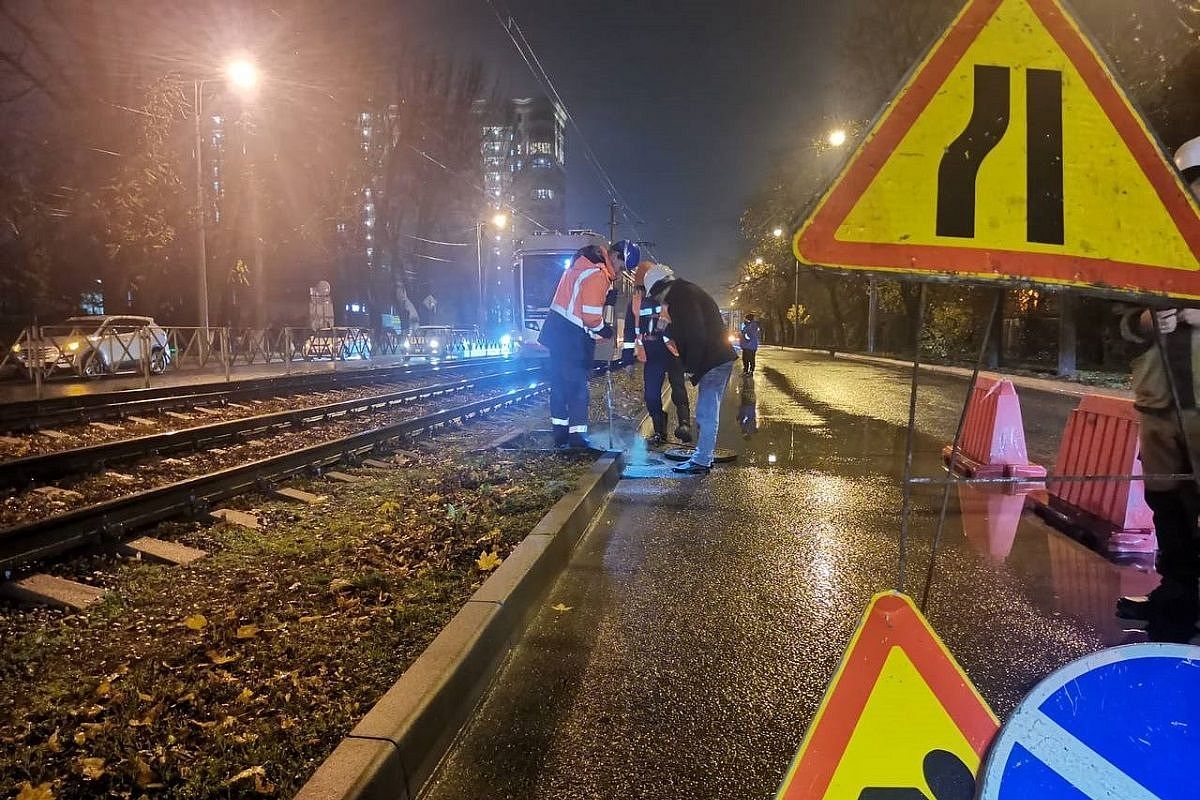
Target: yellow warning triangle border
(816,241)
(891,620)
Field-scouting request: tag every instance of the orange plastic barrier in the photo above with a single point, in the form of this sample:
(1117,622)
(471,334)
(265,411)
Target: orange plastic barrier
(1101,438)
(993,439)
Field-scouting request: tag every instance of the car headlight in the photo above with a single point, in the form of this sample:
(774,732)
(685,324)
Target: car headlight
(433,344)
(72,347)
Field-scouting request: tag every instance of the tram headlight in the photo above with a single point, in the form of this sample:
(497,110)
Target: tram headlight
(433,344)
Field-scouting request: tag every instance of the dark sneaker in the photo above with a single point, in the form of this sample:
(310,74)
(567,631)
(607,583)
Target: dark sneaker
(1134,608)
(691,468)
(577,442)
(656,439)
(684,433)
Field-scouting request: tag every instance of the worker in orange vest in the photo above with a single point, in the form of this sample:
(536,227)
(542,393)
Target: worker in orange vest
(580,314)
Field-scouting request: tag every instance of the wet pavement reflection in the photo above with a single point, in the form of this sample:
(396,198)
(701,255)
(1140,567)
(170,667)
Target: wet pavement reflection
(707,615)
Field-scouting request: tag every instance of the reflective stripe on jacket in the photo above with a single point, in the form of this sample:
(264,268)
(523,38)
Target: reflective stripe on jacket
(579,297)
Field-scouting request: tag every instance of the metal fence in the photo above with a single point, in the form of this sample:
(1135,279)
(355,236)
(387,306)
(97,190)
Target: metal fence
(90,350)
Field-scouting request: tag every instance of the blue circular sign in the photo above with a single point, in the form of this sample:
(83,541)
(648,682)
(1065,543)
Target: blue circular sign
(1121,724)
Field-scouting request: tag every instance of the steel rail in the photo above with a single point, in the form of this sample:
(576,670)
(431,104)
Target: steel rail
(48,412)
(23,471)
(23,544)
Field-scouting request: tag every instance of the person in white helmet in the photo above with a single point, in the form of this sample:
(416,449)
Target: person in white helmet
(1171,610)
(696,329)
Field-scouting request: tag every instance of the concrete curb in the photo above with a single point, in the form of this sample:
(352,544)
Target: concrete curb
(395,748)
(1022,381)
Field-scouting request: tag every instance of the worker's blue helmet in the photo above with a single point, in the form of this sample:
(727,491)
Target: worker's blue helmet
(629,252)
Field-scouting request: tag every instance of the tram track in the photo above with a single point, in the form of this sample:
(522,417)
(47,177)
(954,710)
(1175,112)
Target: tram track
(111,520)
(34,415)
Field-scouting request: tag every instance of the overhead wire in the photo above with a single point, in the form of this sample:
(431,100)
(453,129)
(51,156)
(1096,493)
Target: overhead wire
(517,36)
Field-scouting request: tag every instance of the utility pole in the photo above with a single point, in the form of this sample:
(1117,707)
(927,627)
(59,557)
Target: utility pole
(201,215)
(612,221)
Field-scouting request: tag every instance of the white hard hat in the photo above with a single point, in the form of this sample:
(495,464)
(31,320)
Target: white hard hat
(657,273)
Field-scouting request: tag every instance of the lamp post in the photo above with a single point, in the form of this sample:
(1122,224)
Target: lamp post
(499,221)
(242,75)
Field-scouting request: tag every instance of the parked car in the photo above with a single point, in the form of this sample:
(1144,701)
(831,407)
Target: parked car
(341,344)
(428,342)
(93,346)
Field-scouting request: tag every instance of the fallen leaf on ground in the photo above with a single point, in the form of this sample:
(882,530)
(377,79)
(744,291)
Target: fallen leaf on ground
(488,561)
(53,743)
(245,696)
(339,584)
(219,659)
(142,774)
(247,631)
(92,768)
(43,791)
(560,607)
(196,622)
(248,772)
(104,689)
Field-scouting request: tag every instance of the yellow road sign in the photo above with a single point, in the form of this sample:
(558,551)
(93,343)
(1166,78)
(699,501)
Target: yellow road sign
(1012,154)
(899,718)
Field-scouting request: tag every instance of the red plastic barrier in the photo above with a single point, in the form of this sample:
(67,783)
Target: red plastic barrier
(1101,438)
(993,440)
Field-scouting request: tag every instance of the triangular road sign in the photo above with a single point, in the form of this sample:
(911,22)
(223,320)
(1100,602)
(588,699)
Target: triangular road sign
(900,719)
(1012,154)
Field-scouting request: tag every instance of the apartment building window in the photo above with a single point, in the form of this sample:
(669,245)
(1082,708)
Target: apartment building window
(542,194)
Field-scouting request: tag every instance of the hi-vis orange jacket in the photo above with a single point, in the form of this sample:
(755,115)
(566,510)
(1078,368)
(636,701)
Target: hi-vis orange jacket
(580,295)
(642,319)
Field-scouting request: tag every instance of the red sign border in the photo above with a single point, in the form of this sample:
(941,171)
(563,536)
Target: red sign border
(816,242)
(891,621)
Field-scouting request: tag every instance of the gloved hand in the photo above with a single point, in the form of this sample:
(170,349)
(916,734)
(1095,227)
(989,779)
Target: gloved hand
(610,299)
(606,332)
(1189,316)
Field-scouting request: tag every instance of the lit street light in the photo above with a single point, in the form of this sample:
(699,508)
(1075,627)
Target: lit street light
(242,75)
(758,261)
(837,137)
(777,233)
(499,222)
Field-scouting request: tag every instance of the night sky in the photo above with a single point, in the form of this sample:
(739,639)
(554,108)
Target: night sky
(685,103)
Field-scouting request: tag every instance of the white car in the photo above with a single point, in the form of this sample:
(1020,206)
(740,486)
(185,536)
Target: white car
(98,345)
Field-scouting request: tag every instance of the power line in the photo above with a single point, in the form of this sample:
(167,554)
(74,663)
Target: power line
(529,56)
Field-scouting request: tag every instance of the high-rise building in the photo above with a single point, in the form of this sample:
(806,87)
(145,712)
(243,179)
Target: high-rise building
(524,174)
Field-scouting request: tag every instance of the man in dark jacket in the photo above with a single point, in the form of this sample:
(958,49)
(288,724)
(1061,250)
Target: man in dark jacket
(695,326)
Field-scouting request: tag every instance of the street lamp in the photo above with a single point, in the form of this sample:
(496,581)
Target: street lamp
(758,261)
(837,137)
(777,233)
(499,222)
(243,75)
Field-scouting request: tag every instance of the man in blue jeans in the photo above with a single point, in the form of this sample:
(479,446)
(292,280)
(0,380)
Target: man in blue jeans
(697,331)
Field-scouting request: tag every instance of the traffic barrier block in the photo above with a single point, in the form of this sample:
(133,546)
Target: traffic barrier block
(1101,438)
(993,437)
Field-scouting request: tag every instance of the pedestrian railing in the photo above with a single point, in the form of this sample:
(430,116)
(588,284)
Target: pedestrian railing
(88,351)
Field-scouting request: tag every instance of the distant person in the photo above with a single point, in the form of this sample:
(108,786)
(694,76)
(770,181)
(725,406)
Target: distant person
(750,334)
(1171,610)
(644,342)
(576,320)
(695,325)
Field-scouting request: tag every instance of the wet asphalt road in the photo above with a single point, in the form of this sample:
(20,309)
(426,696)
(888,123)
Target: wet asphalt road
(708,615)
